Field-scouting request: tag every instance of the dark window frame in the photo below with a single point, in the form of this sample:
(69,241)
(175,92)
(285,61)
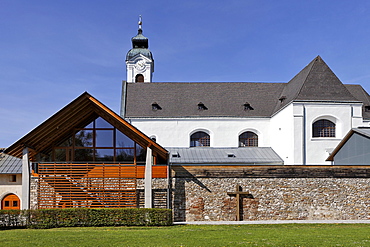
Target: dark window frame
(248,139)
(90,153)
(200,139)
(323,128)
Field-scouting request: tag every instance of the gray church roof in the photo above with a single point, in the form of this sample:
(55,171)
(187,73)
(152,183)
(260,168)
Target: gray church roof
(361,95)
(230,156)
(316,82)
(221,99)
(10,164)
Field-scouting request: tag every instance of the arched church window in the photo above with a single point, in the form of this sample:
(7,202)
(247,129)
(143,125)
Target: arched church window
(323,128)
(248,139)
(139,78)
(199,139)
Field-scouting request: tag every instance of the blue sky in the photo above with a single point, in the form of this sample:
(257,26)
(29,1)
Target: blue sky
(52,51)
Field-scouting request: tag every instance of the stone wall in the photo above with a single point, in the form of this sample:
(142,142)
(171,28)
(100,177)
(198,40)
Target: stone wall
(33,192)
(345,195)
(159,193)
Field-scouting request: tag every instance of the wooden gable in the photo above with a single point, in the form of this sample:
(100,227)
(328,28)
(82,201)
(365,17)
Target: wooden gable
(78,113)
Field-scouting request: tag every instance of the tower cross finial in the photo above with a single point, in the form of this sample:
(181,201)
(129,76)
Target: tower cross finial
(140,22)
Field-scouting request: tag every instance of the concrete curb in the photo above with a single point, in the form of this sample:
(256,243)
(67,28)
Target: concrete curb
(273,222)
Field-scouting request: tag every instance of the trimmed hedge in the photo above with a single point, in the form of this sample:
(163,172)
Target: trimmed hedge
(78,217)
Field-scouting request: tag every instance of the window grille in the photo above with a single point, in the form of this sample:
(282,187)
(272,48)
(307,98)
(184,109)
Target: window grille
(199,139)
(323,128)
(248,139)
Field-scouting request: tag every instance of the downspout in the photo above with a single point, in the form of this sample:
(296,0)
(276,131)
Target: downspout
(351,116)
(304,158)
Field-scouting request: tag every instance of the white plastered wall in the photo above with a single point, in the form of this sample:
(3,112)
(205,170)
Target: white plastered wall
(345,117)
(282,133)
(224,132)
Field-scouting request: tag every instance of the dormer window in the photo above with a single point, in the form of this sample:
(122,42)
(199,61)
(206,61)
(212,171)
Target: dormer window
(175,155)
(247,107)
(202,107)
(282,98)
(367,108)
(156,107)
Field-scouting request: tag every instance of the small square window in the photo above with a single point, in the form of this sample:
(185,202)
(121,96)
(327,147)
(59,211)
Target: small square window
(12,178)
(175,155)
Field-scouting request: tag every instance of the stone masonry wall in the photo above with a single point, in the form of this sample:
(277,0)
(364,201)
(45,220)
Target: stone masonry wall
(272,198)
(33,192)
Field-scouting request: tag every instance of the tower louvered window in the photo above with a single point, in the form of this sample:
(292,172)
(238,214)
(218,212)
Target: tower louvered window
(139,78)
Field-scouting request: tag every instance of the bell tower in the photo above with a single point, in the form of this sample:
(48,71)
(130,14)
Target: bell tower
(139,60)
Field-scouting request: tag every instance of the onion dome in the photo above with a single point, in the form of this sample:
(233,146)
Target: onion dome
(140,45)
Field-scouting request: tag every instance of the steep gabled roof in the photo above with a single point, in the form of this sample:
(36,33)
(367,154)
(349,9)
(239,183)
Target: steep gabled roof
(361,95)
(77,114)
(316,82)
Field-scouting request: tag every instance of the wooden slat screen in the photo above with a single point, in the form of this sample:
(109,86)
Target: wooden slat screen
(86,185)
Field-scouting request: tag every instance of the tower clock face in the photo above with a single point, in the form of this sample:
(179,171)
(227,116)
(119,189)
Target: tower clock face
(140,65)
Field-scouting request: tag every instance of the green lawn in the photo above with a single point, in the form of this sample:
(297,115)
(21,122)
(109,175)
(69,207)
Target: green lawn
(192,235)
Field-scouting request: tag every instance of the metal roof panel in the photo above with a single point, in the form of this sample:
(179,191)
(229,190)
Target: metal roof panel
(209,155)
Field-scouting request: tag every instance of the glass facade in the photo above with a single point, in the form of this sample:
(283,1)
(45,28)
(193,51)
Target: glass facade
(98,141)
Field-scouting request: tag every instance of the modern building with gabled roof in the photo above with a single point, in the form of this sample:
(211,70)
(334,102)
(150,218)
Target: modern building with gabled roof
(85,155)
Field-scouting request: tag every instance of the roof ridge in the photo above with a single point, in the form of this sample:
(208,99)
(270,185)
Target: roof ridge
(305,80)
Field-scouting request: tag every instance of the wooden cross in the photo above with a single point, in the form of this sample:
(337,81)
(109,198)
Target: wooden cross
(239,194)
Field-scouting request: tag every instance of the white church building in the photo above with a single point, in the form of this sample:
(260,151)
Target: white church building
(301,121)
